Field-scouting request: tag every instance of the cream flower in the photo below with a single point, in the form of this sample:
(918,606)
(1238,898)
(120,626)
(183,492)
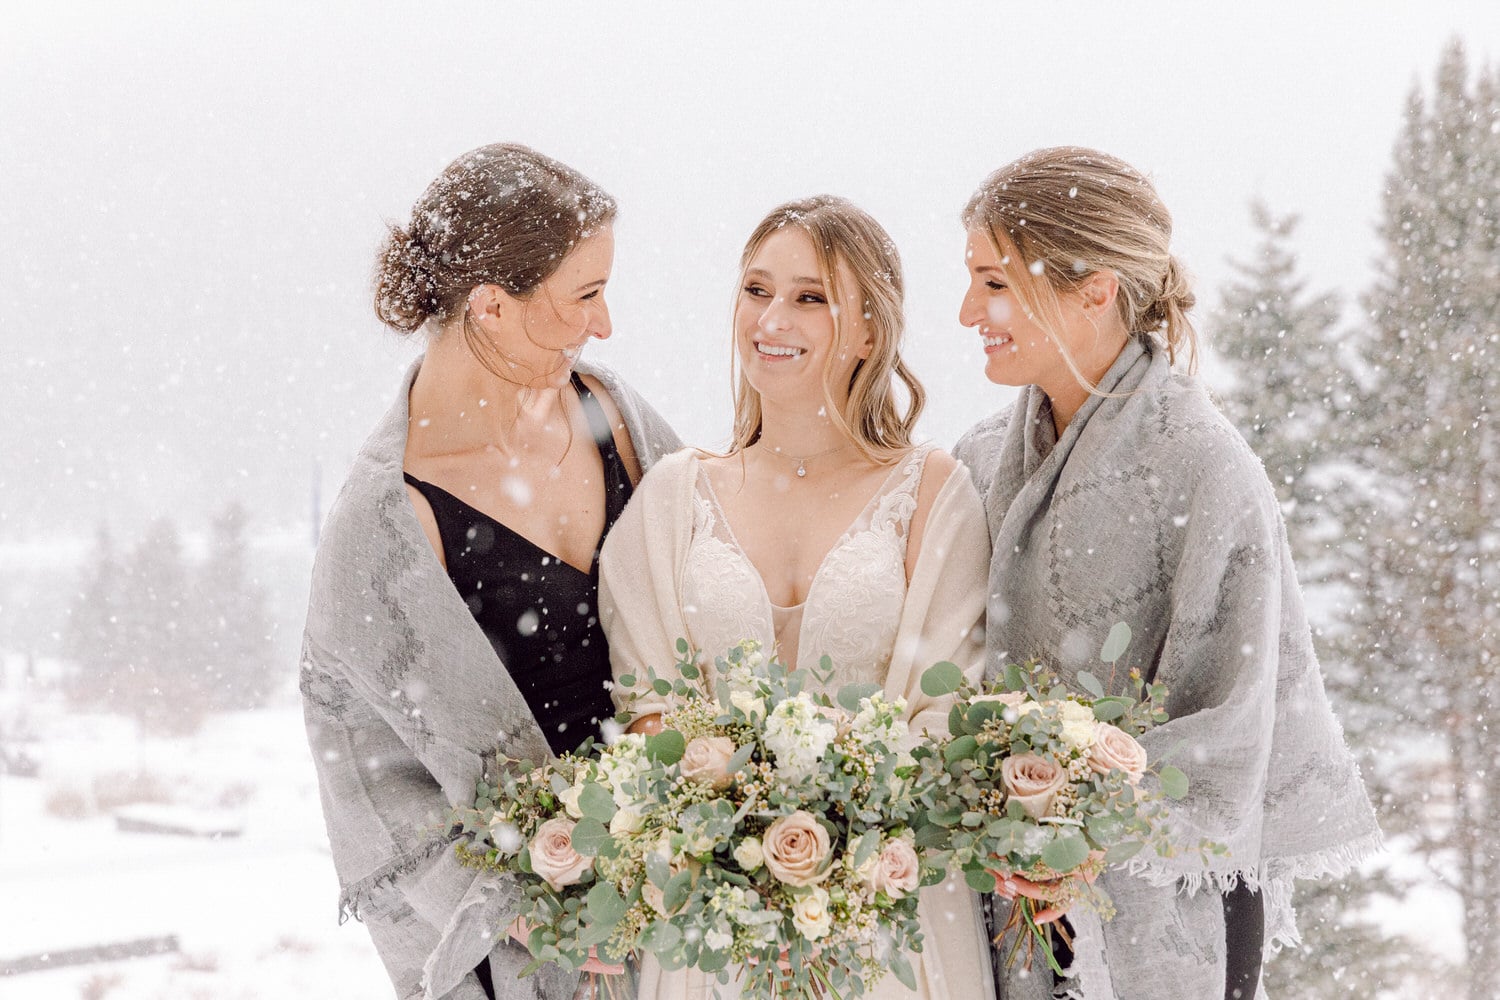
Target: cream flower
(748,854)
(1078,725)
(795,848)
(810,914)
(553,856)
(1032,782)
(896,871)
(705,760)
(1115,749)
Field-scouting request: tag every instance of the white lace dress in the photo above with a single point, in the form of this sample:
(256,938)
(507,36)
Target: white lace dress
(859,611)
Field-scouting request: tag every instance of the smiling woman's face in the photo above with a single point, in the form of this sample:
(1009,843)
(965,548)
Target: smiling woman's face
(785,326)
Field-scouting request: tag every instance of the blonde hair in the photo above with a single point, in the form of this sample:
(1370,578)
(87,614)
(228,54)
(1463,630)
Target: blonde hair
(841,232)
(1057,216)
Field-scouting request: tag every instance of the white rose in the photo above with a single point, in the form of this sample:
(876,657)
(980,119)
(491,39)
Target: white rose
(1078,725)
(570,799)
(810,914)
(627,820)
(747,702)
(748,854)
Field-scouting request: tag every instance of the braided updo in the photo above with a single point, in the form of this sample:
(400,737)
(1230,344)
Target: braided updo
(501,214)
(1068,212)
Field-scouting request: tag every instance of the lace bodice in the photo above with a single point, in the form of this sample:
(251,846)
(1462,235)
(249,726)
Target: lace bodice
(853,605)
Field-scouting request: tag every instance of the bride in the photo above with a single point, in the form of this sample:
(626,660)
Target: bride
(822,531)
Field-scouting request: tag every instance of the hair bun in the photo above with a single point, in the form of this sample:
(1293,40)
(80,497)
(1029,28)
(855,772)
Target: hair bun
(406,283)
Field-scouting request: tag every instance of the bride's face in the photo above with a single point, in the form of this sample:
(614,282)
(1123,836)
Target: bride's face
(786,327)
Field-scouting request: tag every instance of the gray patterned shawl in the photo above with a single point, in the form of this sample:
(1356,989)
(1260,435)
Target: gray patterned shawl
(1152,510)
(404,700)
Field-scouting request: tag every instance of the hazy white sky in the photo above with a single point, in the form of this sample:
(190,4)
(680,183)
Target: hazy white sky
(191,194)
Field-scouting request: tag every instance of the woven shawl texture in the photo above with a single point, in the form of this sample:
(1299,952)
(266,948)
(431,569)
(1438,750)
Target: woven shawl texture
(405,701)
(1151,510)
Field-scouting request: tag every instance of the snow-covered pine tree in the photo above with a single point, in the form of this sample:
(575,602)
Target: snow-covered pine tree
(230,619)
(93,638)
(159,681)
(1291,386)
(1433,366)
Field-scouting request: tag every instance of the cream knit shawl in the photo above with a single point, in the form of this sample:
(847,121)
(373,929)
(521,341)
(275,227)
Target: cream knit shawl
(405,700)
(1152,510)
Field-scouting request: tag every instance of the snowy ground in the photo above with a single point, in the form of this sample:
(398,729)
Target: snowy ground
(255,914)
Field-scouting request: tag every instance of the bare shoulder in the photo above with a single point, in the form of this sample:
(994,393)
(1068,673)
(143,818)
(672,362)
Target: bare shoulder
(428,520)
(623,444)
(936,470)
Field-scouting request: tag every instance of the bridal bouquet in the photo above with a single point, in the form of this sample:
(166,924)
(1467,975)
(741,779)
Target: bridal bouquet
(765,825)
(1037,787)
(773,829)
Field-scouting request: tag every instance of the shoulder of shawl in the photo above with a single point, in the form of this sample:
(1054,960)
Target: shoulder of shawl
(980,447)
(1215,464)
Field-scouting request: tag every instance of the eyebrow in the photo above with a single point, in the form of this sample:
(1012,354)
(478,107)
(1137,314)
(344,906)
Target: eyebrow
(763,273)
(592,284)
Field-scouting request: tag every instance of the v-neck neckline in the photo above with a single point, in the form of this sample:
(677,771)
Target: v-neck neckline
(843,539)
(590,573)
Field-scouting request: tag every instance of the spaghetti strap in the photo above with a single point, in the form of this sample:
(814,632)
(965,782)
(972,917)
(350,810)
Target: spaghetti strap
(617,486)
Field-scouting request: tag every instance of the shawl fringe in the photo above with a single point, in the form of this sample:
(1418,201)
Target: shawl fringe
(358,895)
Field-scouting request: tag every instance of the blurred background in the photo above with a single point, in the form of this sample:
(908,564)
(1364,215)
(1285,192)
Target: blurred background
(191,197)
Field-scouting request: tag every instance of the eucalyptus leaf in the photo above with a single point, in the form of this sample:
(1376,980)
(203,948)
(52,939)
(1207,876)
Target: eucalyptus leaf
(1091,684)
(605,904)
(961,747)
(1123,851)
(1066,853)
(1174,784)
(682,647)
(676,892)
(740,758)
(941,679)
(850,694)
(1108,710)
(666,747)
(1116,643)
(589,836)
(596,802)
(902,970)
(661,686)
(980,879)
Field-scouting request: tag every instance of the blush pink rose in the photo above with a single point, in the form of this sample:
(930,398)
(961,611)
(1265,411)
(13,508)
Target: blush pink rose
(897,870)
(553,856)
(705,759)
(1033,782)
(1115,749)
(794,847)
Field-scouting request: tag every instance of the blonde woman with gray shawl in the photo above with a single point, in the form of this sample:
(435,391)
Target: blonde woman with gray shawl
(823,531)
(1116,491)
(453,601)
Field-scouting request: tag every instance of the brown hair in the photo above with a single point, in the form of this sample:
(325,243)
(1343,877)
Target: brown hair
(840,231)
(501,214)
(1057,216)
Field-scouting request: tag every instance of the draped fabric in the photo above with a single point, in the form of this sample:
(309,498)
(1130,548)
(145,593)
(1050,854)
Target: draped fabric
(1151,510)
(405,701)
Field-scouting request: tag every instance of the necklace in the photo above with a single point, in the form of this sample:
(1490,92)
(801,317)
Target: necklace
(802,462)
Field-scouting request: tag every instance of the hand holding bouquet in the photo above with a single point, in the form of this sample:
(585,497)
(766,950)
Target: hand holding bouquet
(1037,788)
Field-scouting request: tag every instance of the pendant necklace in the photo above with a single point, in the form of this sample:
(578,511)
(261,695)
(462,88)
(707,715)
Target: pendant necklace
(802,462)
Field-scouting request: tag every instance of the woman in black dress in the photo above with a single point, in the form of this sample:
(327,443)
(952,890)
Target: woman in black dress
(512,463)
